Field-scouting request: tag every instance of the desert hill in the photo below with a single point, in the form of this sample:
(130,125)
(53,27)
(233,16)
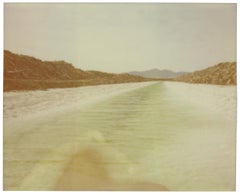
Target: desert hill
(221,74)
(156,73)
(23,72)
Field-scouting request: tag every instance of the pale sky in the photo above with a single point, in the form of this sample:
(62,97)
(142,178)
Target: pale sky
(123,37)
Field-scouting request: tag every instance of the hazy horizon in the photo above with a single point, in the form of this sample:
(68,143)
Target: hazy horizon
(118,37)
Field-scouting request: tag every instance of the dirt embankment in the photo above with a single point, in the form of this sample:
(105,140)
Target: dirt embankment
(23,72)
(221,74)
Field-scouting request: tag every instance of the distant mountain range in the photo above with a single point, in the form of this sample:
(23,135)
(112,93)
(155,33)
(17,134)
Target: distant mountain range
(23,72)
(156,73)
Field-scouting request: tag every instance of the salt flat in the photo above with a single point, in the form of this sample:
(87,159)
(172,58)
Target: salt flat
(142,135)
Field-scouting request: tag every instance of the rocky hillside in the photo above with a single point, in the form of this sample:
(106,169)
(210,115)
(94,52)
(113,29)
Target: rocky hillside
(221,74)
(25,67)
(23,72)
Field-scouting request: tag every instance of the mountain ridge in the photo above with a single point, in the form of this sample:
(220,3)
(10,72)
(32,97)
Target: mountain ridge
(157,73)
(22,72)
(221,74)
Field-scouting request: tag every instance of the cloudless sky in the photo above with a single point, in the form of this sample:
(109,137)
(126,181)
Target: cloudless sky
(123,37)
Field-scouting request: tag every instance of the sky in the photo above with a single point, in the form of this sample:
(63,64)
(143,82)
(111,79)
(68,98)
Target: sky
(118,37)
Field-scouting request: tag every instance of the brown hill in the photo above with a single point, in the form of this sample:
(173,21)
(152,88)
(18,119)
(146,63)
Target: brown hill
(220,74)
(23,72)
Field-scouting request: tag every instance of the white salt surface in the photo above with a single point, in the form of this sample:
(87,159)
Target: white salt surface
(176,134)
(19,106)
